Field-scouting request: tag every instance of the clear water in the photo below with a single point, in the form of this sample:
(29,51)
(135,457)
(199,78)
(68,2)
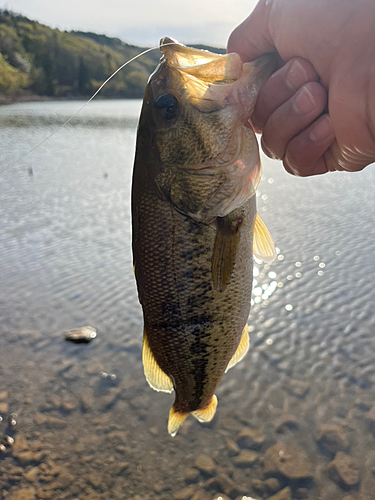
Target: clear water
(88,426)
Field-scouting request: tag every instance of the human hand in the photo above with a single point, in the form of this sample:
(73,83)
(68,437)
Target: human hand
(328,48)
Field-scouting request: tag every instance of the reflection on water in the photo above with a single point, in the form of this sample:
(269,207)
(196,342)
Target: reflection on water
(296,418)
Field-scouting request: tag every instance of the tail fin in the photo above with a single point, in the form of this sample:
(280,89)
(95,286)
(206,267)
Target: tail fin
(204,415)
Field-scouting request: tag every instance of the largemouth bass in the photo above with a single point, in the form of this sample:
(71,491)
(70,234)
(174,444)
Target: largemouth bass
(195,225)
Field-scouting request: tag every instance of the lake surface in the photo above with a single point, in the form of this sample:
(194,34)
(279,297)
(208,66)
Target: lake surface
(296,418)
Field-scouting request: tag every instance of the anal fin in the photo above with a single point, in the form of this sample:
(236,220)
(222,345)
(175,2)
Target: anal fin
(206,414)
(264,247)
(155,376)
(241,349)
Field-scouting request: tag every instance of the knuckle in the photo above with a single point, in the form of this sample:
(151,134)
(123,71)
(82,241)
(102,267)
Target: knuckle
(297,163)
(270,150)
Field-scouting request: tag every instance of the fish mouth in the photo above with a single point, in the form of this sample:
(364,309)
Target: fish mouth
(202,64)
(208,78)
(213,81)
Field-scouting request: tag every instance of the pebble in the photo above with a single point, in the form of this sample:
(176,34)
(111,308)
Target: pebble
(159,487)
(232,447)
(20,443)
(223,483)
(205,464)
(84,334)
(185,494)
(285,494)
(250,438)
(4,408)
(87,399)
(286,422)
(23,494)
(68,405)
(287,460)
(32,474)
(272,485)
(332,438)
(201,495)
(296,387)
(3,395)
(50,422)
(192,475)
(221,496)
(344,470)
(246,458)
(258,485)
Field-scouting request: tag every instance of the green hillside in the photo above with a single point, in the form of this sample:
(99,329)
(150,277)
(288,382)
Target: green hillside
(36,59)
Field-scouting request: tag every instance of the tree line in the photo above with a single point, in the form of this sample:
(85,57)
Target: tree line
(36,59)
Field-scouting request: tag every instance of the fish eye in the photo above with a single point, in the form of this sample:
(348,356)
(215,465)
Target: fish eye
(168,106)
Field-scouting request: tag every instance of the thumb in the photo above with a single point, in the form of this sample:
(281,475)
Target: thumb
(252,37)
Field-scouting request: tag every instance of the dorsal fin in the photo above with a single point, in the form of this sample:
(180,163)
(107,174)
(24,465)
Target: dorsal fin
(155,376)
(264,247)
(241,349)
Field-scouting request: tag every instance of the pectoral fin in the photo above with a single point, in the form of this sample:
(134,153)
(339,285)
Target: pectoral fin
(263,245)
(225,250)
(156,378)
(241,349)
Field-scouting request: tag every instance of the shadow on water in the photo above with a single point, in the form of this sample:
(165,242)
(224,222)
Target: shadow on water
(296,418)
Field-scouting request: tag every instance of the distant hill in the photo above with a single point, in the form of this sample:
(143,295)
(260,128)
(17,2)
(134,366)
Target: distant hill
(38,60)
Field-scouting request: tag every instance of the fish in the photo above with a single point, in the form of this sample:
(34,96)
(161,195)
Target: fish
(195,226)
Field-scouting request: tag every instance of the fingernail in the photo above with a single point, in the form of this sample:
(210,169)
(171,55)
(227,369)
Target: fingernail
(322,129)
(296,76)
(304,101)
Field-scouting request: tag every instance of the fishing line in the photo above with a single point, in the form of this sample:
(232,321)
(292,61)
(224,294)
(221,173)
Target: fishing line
(92,97)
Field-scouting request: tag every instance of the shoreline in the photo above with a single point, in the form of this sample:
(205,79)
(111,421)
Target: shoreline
(8,100)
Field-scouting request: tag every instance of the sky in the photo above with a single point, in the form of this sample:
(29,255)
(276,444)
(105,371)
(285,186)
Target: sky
(141,22)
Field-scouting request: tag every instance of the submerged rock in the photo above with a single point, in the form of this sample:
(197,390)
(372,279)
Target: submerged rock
(83,334)
(23,494)
(3,395)
(332,438)
(288,461)
(272,485)
(201,495)
(4,408)
(344,470)
(285,494)
(185,494)
(246,458)
(205,464)
(192,475)
(224,483)
(250,438)
(286,422)
(296,387)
